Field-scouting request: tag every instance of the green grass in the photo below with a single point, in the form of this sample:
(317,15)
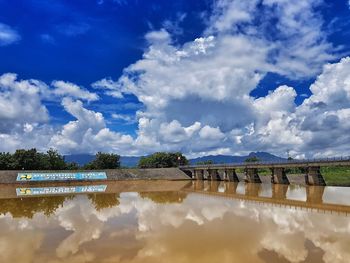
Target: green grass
(336,175)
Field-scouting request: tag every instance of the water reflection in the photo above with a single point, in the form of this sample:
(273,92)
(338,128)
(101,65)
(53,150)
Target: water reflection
(200,222)
(102,201)
(28,207)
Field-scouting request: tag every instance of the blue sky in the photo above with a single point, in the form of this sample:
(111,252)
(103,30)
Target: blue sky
(201,77)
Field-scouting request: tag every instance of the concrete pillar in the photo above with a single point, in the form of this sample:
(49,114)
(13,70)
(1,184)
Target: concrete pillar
(231,176)
(314,194)
(221,174)
(206,174)
(314,176)
(199,174)
(251,175)
(279,191)
(213,175)
(279,176)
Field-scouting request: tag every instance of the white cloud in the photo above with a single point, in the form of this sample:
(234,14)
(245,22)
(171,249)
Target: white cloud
(158,37)
(20,103)
(124,117)
(228,14)
(276,104)
(209,133)
(173,132)
(111,88)
(293,31)
(196,96)
(63,88)
(319,125)
(8,35)
(173,26)
(88,133)
(24,119)
(209,80)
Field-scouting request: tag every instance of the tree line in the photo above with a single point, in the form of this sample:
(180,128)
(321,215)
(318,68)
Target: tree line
(52,160)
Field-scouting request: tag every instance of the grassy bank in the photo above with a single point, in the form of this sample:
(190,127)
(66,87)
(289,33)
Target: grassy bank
(336,175)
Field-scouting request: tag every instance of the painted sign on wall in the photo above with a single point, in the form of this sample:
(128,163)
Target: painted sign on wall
(39,176)
(30,191)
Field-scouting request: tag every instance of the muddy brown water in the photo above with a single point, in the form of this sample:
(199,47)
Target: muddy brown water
(166,221)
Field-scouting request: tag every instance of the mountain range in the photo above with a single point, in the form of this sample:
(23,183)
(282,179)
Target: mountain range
(131,161)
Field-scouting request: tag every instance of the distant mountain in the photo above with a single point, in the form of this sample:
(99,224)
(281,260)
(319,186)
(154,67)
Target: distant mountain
(132,161)
(82,159)
(129,161)
(262,156)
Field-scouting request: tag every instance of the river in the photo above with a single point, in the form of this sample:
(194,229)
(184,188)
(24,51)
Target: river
(174,222)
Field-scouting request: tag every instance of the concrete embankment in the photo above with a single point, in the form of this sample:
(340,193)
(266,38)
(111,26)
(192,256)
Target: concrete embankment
(9,177)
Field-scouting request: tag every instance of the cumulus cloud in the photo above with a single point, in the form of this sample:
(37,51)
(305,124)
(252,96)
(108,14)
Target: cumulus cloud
(20,103)
(25,120)
(88,133)
(8,35)
(293,31)
(209,133)
(196,96)
(209,80)
(63,88)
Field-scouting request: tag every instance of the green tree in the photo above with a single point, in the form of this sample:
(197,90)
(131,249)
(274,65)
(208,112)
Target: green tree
(252,159)
(30,160)
(104,161)
(6,161)
(162,160)
(54,160)
(33,160)
(72,166)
